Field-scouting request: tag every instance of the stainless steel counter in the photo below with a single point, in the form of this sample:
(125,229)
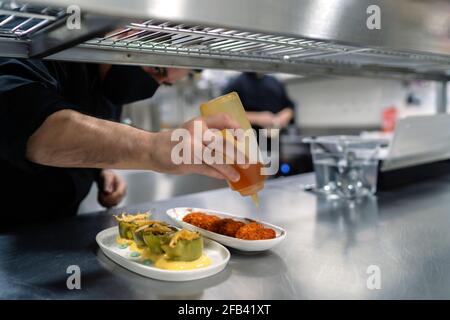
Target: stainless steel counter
(330,245)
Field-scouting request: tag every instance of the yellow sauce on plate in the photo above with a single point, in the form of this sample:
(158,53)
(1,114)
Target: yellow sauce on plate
(160,261)
(122,241)
(163,263)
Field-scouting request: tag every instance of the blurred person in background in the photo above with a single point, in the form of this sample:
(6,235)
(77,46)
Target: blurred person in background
(264,98)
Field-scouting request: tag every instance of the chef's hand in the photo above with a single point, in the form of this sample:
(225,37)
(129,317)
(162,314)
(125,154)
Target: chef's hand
(264,119)
(282,118)
(161,153)
(166,75)
(111,189)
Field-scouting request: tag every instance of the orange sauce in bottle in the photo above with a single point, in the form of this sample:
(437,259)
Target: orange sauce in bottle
(249,177)
(251,180)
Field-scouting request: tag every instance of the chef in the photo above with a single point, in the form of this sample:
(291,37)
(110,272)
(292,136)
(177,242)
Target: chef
(59,134)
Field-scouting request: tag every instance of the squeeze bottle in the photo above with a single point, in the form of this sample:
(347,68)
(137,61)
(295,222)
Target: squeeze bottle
(251,180)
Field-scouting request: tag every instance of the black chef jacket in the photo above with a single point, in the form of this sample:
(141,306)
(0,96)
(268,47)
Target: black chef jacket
(263,93)
(30,91)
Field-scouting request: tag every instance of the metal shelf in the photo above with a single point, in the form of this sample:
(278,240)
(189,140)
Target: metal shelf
(163,36)
(156,41)
(21,20)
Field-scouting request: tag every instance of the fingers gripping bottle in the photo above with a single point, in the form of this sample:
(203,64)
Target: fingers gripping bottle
(251,180)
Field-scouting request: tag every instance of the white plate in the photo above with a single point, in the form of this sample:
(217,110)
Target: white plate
(177,215)
(219,255)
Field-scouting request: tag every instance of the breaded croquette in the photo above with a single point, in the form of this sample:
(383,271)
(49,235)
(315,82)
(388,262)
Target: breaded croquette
(229,227)
(202,220)
(255,231)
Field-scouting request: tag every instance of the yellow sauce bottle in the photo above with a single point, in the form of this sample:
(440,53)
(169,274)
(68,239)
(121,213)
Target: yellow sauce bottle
(251,181)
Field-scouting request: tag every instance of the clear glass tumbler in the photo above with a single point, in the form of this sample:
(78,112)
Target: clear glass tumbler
(345,166)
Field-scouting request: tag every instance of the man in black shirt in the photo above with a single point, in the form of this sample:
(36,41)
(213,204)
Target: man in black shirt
(264,98)
(59,133)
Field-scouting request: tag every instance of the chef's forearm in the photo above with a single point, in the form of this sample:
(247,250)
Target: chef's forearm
(70,139)
(255,118)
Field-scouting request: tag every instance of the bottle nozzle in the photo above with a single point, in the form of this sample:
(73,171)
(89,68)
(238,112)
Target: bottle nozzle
(255,199)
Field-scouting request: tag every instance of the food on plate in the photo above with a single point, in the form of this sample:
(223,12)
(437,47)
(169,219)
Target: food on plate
(138,236)
(184,245)
(152,235)
(202,220)
(158,243)
(128,223)
(230,227)
(202,262)
(255,231)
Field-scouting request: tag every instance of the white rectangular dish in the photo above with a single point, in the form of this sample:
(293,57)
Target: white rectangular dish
(177,215)
(123,256)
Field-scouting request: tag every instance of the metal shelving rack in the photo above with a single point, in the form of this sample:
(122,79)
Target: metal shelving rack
(308,37)
(20,21)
